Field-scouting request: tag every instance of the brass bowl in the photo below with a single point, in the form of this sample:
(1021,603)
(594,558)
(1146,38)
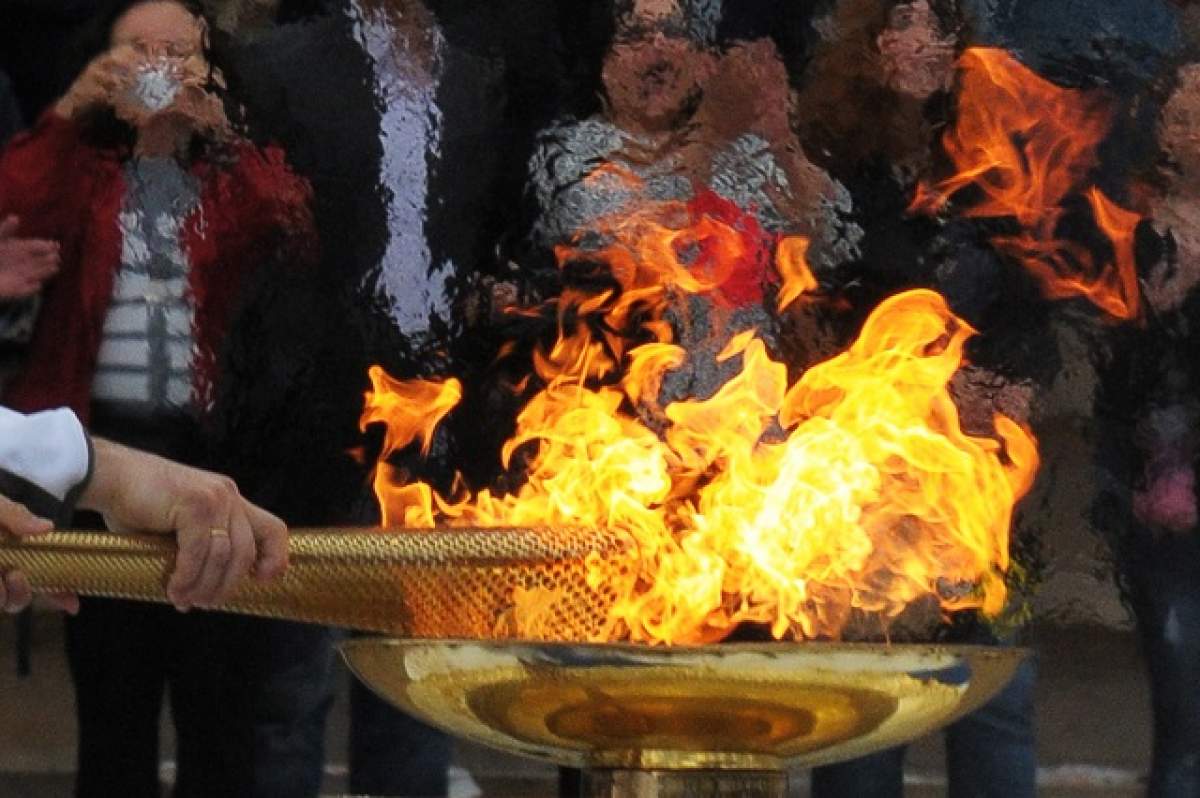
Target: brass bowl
(727,707)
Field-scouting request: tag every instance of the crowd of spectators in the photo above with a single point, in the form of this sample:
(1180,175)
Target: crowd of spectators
(214,215)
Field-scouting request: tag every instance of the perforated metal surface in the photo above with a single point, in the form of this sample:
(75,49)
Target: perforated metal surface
(478,583)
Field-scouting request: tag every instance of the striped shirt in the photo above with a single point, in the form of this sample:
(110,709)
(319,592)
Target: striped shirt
(145,358)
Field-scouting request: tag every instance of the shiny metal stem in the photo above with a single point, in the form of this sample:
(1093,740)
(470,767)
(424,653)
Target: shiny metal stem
(684,784)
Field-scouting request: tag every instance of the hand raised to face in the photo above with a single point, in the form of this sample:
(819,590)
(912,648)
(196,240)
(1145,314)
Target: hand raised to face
(107,78)
(154,76)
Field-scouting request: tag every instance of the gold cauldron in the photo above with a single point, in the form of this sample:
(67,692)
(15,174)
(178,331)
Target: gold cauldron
(642,721)
(687,721)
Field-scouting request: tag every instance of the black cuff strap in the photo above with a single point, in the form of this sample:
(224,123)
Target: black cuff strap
(36,500)
(73,495)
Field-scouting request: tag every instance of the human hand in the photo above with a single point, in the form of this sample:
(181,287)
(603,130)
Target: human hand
(104,81)
(25,263)
(15,519)
(189,107)
(221,537)
(194,111)
(203,108)
(15,593)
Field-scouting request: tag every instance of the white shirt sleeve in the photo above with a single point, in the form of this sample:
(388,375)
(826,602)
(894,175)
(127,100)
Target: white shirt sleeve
(49,449)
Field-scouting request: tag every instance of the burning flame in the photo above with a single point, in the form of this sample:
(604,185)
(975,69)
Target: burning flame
(410,409)
(791,506)
(1026,146)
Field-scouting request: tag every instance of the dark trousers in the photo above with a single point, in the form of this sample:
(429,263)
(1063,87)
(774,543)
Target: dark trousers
(294,693)
(1162,577)
(249,700)
(392,753)
(990,753)
(123,657)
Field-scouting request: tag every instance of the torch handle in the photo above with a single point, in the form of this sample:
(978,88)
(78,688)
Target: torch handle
(419,583)
(136,567)
(93,564)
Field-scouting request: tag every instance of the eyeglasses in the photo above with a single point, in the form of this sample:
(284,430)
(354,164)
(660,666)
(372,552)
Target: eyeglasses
(164,49)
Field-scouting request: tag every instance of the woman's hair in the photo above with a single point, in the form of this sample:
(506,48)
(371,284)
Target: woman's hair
(102,127)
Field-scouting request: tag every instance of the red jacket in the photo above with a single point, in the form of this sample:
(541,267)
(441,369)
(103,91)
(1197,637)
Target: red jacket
(250,212)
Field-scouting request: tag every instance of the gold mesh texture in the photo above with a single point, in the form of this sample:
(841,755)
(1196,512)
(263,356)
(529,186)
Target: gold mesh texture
(477,583)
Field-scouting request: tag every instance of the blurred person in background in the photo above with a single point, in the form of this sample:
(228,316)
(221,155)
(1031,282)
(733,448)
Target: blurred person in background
(1149,448)
(164,216)
(414,188)
(879,74)
(25,264)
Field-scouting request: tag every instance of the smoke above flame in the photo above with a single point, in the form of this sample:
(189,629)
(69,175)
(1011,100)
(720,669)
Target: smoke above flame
(1026,147)
(788,505)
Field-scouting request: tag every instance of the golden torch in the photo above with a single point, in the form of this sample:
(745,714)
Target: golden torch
(433,583)
(642,720)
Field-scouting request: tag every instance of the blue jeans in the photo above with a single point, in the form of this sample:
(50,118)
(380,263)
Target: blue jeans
(392,753)
(990,753)
(1162,579)
(291,708)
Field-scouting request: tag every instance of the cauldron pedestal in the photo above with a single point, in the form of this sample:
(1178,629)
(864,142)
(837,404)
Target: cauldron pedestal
(684,783)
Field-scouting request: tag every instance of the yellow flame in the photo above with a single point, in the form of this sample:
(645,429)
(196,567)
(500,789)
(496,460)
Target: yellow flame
(410,409)
(791,506)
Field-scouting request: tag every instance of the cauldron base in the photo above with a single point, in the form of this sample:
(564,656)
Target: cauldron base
(723,720)
(684,784)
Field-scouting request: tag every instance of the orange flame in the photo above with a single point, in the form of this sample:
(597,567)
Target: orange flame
(410,409)
(792,264)
(853,489)
(1026,145)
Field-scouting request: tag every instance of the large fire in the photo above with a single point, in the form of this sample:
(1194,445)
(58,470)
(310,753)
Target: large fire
(791,506)
(1026,147)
